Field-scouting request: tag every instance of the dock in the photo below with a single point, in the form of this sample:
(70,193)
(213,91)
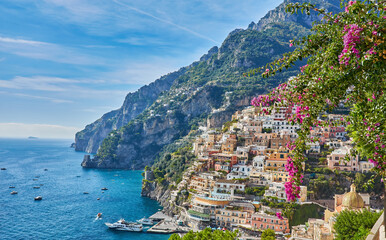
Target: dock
(159,216)
(168,226)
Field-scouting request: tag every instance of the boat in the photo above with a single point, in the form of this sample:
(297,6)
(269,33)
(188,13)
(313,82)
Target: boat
(104,189)
(36,187)
(38,198)
(85,192)
(99,215)
(145,221)
(13,192)
(11,186)
(45,169)
(122,225)
(3,168)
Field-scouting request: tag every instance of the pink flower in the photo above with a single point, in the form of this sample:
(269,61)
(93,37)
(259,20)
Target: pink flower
(278,215)
(291,44)
(374,33)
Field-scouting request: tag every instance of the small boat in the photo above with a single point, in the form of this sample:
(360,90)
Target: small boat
(38,198)
(122,225)
(3,168)
(104,189)
(45,169)
(85,192)
(98,199)
(13,192)
(11,186)
(36,187)
(145,221)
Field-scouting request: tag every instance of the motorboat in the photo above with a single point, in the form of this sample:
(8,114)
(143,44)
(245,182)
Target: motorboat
(146,221)
(85,192)
(11,186)
(3,168)
(38,198)
(104,189)
(122,225)
(13,192)
(36,187)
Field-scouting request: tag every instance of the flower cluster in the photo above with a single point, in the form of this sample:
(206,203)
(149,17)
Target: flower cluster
(350,40)
(350,3)
(278,215)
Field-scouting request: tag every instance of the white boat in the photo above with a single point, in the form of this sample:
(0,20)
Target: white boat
(146,221)
(122,225)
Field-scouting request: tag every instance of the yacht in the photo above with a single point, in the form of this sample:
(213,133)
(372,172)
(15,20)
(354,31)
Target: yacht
(13,192)
(38,198)
(122,225)
(145,221)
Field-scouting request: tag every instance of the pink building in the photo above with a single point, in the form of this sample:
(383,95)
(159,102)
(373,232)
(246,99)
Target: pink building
(264,221)
(336,160)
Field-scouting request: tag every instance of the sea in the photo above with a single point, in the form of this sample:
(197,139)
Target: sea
(65,212)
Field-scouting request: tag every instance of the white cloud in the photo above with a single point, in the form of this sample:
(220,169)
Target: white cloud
(42,83)
(47,51)
(24,130)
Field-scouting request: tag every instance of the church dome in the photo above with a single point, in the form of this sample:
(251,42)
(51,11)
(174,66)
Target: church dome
(352,200)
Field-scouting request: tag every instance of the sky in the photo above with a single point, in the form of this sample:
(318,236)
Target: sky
(64,63)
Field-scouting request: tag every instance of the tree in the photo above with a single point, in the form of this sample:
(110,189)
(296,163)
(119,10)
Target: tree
(206,234)
(268,234)
(354,224)
(346,62)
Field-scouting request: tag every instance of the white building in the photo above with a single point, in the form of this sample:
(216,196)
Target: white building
(258,163)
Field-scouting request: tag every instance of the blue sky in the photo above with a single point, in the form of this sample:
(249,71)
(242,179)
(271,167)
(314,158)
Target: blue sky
(63,63)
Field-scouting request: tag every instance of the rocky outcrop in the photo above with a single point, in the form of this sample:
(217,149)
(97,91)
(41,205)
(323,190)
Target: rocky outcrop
(160,193)
(89,139)
(280,15)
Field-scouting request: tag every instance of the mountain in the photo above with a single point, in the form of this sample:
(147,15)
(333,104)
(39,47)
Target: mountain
(211,88)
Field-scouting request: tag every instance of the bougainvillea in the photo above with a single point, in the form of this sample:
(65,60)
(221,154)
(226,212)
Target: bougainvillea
(346,61)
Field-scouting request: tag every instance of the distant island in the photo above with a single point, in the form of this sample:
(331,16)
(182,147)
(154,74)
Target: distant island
(31,137)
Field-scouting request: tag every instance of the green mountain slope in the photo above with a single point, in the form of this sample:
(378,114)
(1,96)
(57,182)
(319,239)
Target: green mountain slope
(213,88)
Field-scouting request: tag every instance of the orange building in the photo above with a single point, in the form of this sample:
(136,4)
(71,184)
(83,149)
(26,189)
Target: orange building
(264,221)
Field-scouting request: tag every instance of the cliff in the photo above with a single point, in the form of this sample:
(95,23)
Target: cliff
(90,138)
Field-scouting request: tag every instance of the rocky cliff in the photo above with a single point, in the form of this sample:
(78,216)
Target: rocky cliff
(90,138)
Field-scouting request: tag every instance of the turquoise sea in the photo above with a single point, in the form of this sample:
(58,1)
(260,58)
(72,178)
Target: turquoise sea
(65,212)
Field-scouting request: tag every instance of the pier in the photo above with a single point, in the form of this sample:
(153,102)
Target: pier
(166,224)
